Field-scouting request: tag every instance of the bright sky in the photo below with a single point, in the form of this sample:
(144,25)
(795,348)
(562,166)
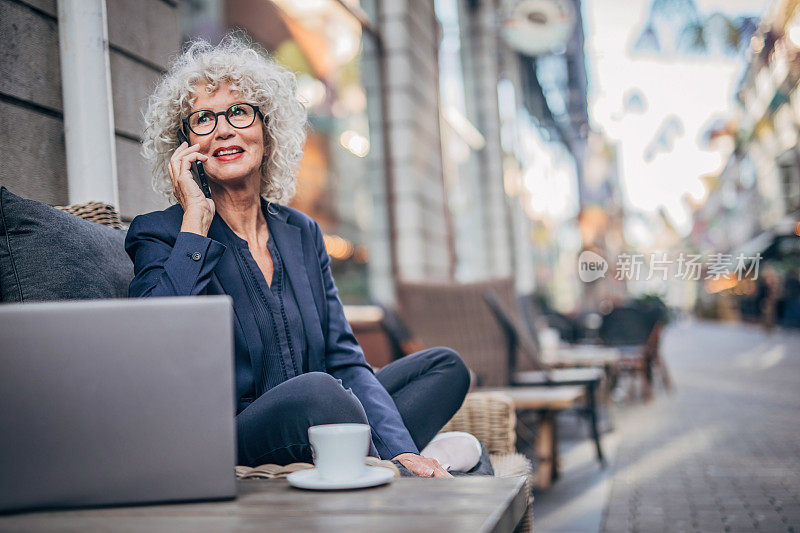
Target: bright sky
(696,91)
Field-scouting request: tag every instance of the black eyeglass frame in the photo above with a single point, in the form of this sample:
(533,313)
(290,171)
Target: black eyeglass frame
(188,128)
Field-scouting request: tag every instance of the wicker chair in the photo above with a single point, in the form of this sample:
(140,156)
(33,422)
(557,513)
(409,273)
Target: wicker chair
(636,331)
(95,212)
(455,315)
(491,418)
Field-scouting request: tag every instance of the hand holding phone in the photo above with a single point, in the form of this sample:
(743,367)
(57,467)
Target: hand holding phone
(198,172)
(198,209)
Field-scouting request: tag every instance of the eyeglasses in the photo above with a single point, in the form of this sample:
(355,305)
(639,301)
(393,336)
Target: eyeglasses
(204,121)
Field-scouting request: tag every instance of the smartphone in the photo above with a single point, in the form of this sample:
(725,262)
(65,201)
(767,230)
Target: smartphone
(198,172)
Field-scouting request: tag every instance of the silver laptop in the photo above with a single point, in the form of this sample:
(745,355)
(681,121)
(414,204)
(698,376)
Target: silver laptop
(115,402)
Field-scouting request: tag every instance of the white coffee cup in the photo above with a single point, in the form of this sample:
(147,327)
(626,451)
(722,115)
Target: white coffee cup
(339,450)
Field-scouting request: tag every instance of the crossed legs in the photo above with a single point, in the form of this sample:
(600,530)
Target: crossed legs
(428,387)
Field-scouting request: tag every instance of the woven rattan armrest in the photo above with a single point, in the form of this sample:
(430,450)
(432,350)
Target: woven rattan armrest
(94,211)
(491,418)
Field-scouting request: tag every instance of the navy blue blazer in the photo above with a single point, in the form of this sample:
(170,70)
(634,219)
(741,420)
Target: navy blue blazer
(168,262)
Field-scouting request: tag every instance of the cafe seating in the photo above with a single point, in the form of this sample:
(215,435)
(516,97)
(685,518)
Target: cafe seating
(457,315)
(635,330)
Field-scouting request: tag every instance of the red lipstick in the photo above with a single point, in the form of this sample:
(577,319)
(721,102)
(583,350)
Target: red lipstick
(228,153)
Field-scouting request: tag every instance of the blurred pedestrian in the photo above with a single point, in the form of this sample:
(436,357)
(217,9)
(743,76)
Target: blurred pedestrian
(767,297)
(791,300)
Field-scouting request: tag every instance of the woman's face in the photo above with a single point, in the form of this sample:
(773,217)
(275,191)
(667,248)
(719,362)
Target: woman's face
(233,153)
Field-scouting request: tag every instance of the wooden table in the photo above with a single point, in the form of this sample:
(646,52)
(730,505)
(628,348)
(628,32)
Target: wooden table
(544,403)
(406,504)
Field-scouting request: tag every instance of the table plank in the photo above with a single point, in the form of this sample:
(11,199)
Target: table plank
(554,398)
(407,504)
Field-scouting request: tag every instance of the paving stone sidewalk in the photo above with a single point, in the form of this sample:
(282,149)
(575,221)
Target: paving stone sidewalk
(722,453)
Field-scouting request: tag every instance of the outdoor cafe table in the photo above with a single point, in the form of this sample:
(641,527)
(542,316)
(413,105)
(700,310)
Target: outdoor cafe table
(406,504)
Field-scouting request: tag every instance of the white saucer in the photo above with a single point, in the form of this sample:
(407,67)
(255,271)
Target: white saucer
(309,479)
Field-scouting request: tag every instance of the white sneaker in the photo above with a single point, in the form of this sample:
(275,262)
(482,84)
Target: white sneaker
(455,450)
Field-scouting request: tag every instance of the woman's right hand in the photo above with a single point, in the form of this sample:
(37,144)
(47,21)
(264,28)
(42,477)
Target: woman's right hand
(198,211)
(422,466)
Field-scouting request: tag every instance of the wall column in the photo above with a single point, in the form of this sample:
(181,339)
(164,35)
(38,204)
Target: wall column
(422,241)
(88,111)
(484,49)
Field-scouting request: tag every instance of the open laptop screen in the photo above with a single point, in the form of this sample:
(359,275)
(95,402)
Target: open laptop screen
(116,401)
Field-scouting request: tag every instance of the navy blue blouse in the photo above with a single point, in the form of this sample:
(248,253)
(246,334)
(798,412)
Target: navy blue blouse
(282,336)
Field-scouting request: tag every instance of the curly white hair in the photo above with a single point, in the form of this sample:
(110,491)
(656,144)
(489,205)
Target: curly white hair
(248,70)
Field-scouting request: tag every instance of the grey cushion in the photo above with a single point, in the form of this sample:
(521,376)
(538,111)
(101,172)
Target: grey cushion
(46,254)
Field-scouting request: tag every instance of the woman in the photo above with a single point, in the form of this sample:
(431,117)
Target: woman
(297,361)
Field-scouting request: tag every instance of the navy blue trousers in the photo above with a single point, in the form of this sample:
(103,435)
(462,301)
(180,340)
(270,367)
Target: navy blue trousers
(427,387)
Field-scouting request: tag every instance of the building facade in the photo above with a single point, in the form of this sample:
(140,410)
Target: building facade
(753,205)
(756,198)
(141,38)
